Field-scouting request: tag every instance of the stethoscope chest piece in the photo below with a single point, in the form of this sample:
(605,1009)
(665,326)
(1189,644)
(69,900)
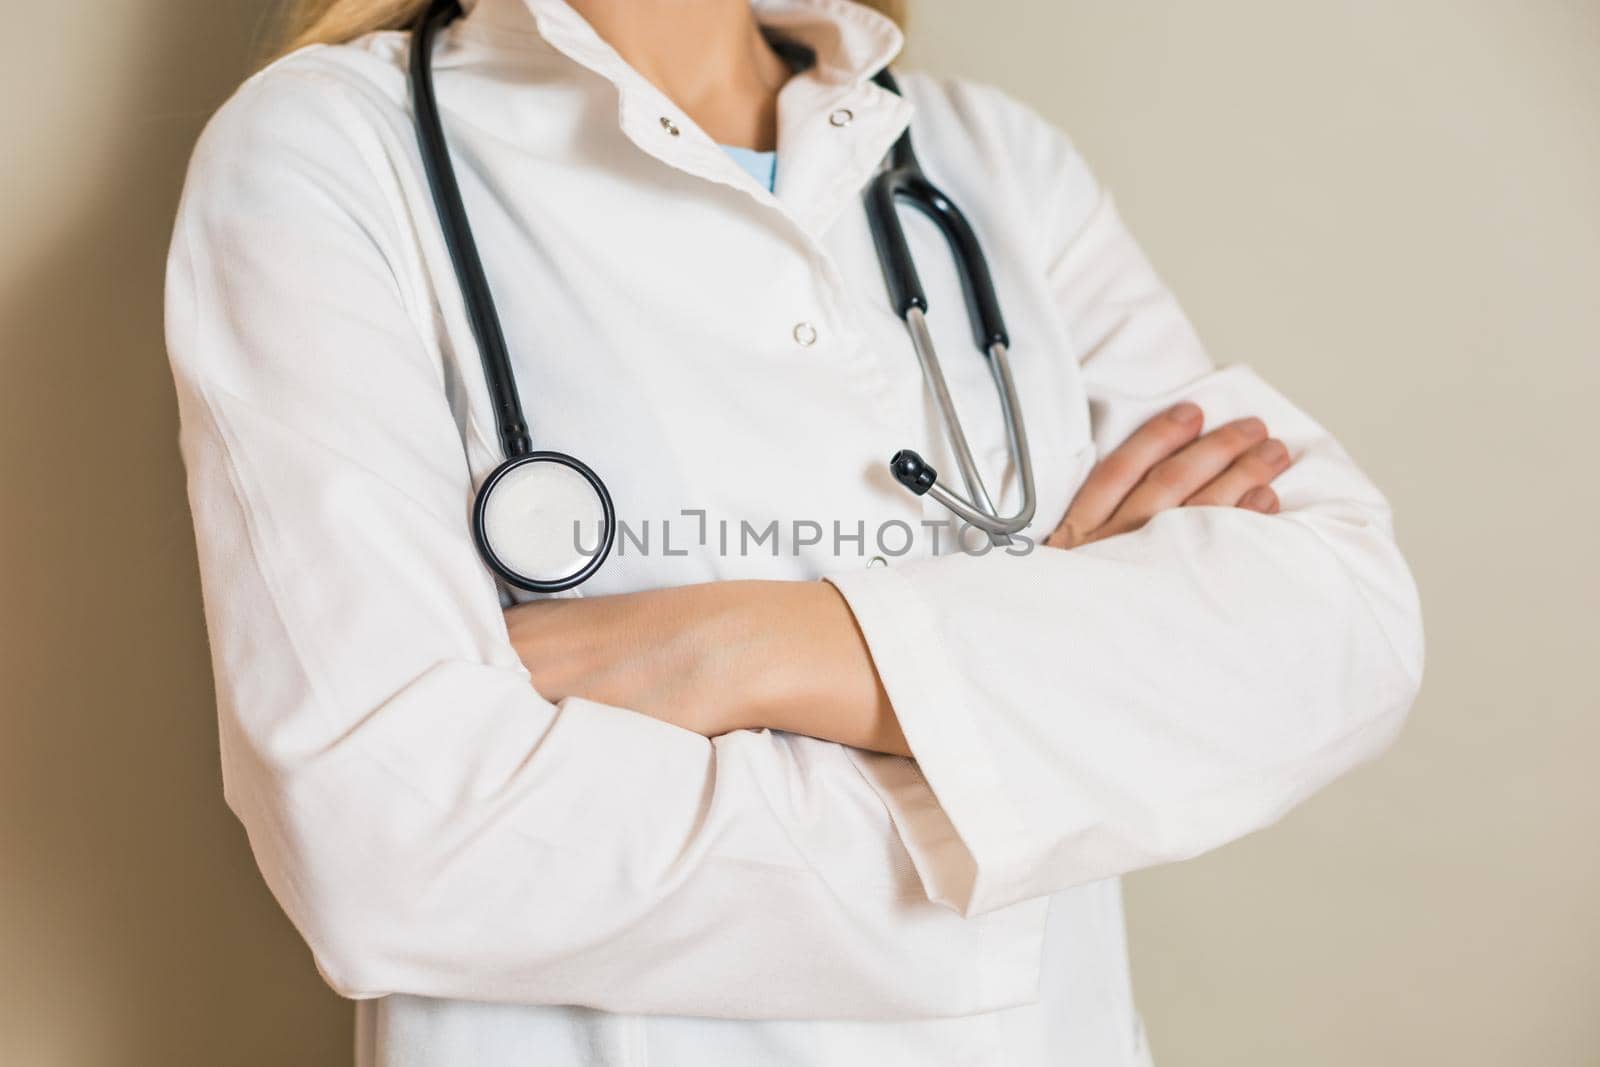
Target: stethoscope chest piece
(544,521)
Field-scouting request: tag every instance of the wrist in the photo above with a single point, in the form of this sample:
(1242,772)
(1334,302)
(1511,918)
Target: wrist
(792,658)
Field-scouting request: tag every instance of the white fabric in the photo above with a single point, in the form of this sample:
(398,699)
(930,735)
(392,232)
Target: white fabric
(520,882)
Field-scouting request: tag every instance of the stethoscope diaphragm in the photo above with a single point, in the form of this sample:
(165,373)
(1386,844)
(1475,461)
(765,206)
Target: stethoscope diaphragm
(544,521)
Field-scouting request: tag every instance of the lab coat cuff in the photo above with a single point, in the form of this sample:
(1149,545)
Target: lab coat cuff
(955,820)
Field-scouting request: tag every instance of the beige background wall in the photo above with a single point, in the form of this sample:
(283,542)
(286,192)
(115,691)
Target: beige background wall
(1392,209)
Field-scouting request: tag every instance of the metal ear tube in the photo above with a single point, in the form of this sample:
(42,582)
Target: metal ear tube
(905,181)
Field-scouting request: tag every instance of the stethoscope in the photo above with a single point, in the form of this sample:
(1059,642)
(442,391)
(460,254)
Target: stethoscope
(529,513)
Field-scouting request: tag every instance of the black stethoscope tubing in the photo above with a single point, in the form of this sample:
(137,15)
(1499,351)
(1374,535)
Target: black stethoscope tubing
(509,418)
(904,180)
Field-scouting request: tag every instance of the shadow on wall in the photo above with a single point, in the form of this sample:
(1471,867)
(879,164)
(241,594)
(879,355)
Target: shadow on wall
(135,929)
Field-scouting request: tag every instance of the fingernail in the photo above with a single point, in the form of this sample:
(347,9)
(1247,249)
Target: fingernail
(1259,499)
(1253,427)
(1272,451)
(1185,412)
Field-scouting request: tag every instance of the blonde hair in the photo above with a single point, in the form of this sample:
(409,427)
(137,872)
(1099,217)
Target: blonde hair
(337,21)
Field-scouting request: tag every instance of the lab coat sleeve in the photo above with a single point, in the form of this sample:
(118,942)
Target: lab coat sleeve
(1084,713)
(429,823)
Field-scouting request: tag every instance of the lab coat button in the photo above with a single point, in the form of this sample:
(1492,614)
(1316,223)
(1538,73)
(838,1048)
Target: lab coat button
(668,125)
(842,117)
(805,334)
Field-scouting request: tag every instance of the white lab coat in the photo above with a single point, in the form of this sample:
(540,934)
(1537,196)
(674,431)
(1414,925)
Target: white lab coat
(501,880)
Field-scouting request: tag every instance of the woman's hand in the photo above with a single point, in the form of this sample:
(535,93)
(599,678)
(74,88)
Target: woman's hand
(713,658)
(1168,463)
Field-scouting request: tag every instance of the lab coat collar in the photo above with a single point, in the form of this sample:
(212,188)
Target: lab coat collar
(818,171)
(852,41)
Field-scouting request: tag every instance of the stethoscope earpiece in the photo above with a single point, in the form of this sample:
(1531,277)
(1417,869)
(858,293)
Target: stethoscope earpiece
(912,471)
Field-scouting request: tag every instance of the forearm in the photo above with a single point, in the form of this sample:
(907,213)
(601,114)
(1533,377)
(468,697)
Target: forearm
(725,656)
(715,657)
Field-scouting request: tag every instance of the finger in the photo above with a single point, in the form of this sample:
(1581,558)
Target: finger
(1261,499)
(1255,468)
(1115,476)
(1181,475)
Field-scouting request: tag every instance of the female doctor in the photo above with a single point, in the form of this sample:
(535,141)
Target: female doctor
(847,792)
